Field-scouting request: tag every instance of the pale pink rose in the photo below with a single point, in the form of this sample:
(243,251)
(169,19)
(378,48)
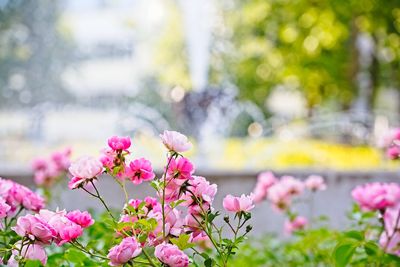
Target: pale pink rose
(83,170)
(202,189)
(32,252)
(120,254)
(62,158)
(377,196)
(175,141)
(279,196)
(298,223)
(140,170)
(293,186)
(173,222)
(264,181)
(390,237)
(4,208)
(83,219)
(171,192)
(238,204)
(35,228)
(119,142)
(171,255)
(315,183)
(180,170)
(66,230)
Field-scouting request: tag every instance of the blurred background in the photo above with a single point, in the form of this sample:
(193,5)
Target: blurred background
(257,84)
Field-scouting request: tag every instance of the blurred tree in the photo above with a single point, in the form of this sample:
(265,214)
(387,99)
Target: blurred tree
(32,53)
(314,46)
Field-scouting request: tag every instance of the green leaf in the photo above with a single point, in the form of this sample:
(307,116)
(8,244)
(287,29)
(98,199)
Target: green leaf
(343,253)
(175,204)
(182,242)
(33,263)
(75,256)
(354,235)
(371,248)
(209,262)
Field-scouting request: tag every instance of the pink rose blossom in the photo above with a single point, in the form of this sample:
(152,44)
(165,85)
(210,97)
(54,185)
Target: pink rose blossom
(83,170)
(83,219)
(35,228)
(32,252)
(119,143)
(62,158)
(238,204)
(4,208)
(180,170)
(172,191)
(21,195)
(175,141)
(296,224)
(279,196)
(393,152)
(140,170)
(202,189)
(171,255)
(391,230)
(264,181)
(294,186)
(315,183)
(173,222)
(377,196)
(120,254)
(66,230)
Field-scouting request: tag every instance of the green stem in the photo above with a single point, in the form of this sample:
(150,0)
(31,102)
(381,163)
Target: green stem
(163,192)
(149,258)
(102,200)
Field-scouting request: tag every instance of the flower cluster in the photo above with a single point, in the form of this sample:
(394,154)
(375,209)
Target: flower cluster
(15,197)
(48,171)
(383,199)
(281,192)
(377,196)
(179,218)
(47,227)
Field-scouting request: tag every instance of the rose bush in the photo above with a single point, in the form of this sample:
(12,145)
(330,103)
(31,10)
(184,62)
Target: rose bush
(177,226)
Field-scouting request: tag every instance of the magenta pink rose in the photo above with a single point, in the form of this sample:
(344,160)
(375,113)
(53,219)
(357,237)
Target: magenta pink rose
(315,183)
(84,170)
(171,255)
(119,143)
(140,170)
(35,228)
(238,204)
(377,196)
(393,152)
(296,224)
(175,141)
(120,254)
(180,170)
(83,219)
